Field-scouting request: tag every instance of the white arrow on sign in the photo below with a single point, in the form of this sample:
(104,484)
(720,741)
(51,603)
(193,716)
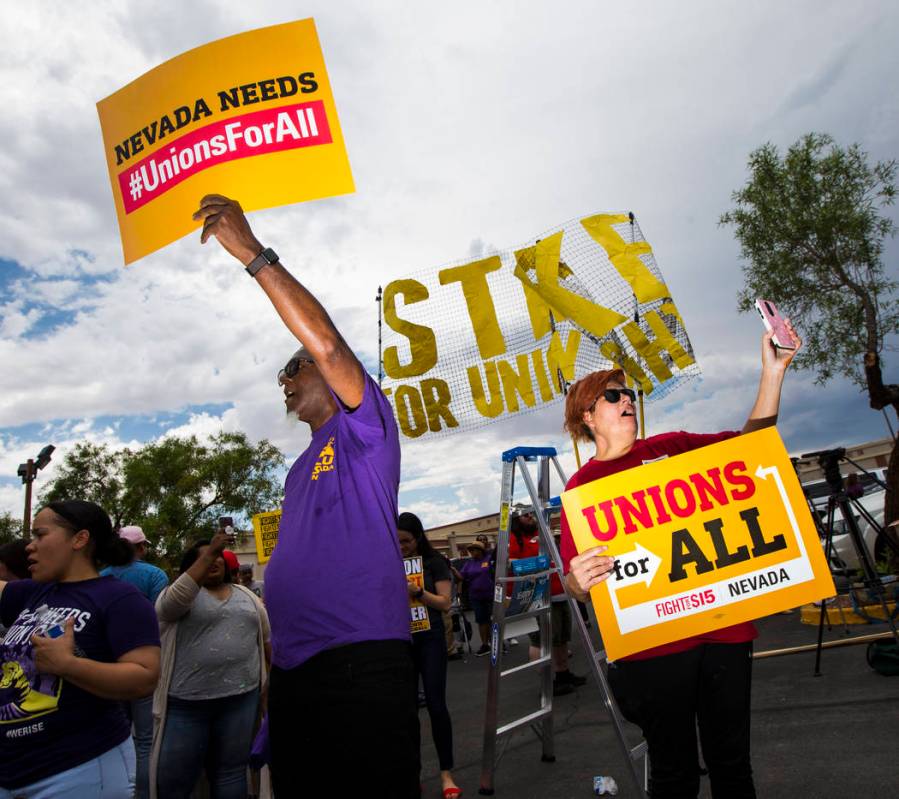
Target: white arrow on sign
(637,566)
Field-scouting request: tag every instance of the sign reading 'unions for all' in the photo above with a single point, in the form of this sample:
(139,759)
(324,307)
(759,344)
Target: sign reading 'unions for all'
(702,540)
(250,116)
(265,531)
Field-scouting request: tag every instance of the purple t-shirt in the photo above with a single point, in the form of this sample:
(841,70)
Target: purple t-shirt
(480,579)
(48,725)
(336,576)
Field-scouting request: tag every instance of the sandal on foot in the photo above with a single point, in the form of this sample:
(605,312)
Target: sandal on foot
(452,793)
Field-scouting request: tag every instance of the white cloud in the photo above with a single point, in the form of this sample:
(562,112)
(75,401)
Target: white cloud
(468,127)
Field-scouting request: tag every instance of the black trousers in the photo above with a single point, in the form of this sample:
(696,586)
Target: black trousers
(345,723)
(429,655)
(668,696)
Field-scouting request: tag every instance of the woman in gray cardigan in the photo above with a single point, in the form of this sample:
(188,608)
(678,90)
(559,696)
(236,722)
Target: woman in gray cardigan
(215,654)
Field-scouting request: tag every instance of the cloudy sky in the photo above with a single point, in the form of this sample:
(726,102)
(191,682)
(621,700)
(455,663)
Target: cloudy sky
(469,126)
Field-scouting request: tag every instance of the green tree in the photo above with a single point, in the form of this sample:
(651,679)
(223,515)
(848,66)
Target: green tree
(174,488)
(10,527)
(812,227)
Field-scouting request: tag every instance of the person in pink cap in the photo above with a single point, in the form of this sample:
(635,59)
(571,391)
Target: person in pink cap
(149,580)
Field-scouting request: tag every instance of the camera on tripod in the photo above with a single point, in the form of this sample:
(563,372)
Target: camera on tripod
(829,461)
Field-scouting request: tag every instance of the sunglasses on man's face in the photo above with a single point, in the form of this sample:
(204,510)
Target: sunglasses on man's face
(613,395)
(292,367)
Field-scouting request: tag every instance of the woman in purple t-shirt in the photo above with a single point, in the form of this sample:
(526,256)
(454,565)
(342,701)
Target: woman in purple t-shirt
(77,645)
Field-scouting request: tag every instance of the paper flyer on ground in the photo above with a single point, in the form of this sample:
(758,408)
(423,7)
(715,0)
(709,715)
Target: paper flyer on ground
(418,613)
(250,116)
(702,540)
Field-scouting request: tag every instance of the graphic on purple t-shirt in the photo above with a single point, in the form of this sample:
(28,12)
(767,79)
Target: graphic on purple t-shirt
(336,576)
(46,724)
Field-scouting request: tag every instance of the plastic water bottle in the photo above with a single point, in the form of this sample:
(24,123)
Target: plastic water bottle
(603,786)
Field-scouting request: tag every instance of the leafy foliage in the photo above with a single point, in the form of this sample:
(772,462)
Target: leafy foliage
(10,527)
(174,488)
(811,227)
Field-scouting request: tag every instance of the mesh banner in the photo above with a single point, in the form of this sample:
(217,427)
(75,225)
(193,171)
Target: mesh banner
(476,341)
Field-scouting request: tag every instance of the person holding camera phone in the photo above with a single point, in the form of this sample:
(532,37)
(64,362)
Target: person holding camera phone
(215,654)
(342,676)
(703,679)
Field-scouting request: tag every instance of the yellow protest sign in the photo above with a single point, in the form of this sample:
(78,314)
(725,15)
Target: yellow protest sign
(265,531)
(418,612)
(251,116)
(485,339)
(702,540)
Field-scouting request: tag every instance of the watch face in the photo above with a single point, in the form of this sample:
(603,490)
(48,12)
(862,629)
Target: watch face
(270,255)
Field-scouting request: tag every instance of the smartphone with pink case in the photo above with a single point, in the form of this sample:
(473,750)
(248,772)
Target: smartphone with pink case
(775,322)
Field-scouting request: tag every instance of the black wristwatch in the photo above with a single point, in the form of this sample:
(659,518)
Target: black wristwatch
(266,257)
(420,594)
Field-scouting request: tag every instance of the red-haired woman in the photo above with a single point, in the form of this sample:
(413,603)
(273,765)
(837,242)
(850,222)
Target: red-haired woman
(702,679)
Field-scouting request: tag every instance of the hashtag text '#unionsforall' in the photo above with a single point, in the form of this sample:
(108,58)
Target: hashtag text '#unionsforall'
(272,130)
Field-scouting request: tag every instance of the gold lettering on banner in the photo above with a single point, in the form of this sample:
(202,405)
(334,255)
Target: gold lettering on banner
(410,411)
(481,309)
(625,257)
(494,406)
(516,382)
(632,369)
(594,318)
(538,311)
(422,341)
(436,394)
(562,357)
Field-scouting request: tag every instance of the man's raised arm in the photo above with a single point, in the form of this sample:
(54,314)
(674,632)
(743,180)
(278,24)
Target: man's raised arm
(302,313)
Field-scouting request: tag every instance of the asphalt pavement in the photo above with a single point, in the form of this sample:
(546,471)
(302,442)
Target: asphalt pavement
(835,735)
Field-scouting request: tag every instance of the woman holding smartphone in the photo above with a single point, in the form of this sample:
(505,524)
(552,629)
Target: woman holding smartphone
(78,644)
(702,679)
(215,655)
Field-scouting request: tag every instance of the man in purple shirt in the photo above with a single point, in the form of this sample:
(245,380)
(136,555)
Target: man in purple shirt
(342,683)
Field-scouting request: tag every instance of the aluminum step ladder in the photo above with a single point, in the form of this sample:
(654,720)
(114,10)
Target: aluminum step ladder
(542,504)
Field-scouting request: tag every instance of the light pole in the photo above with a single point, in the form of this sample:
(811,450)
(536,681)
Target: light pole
(28,471)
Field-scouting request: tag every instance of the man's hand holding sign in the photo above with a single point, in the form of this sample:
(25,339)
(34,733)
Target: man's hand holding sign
(683,539)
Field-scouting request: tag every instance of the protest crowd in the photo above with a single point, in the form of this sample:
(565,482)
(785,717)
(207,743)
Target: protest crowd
(127,684)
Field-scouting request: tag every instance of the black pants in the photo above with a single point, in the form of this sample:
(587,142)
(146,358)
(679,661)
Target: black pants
(345,723)
(429,655)
(666,696)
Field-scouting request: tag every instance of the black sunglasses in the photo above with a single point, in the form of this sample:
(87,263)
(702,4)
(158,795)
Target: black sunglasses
(613,395)
(292,367)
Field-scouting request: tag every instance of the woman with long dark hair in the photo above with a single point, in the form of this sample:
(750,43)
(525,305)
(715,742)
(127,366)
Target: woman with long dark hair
(77,645)
(215,655)
(429,646)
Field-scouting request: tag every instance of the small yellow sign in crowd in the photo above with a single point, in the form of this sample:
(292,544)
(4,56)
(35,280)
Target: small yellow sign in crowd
(265,531)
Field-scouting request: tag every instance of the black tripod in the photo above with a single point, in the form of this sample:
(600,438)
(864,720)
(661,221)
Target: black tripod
(839,500)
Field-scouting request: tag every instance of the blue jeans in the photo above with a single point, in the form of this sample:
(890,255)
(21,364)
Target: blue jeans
(142,719)
(110,776)
(217,733)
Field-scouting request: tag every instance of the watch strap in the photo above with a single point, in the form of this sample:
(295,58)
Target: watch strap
(266,257)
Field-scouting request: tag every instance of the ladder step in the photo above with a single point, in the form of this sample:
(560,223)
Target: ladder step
(531,664)
(521,577)
(528,453)
(514,725)
(529,615)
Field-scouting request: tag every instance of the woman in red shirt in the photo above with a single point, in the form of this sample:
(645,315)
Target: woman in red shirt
(666,690)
